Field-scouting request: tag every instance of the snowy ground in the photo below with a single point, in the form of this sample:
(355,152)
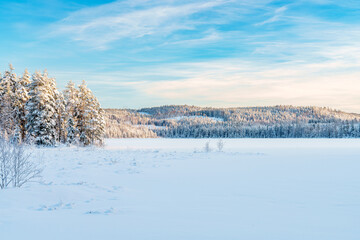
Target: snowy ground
(166,189)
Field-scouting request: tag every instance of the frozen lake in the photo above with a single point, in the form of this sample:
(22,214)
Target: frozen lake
(168,189)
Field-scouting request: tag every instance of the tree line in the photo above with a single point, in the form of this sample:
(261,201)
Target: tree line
(243,122)
(344,129)
(33,110)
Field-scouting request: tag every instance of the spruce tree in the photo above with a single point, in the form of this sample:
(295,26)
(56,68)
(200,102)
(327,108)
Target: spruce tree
(71,95)
(90,121)
(7,104)
(34,109)
(71,132)
(41,117)
(21,97)
(60,117)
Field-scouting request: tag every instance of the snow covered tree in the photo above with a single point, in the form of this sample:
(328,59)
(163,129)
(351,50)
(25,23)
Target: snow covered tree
(60,117)
(71,95)
(41,107)
(97,122)
(7,104)
(71,132)
(89,115)
(20,99)
(34,110)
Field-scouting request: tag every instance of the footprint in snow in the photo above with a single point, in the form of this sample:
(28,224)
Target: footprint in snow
(57,206)
(103,212)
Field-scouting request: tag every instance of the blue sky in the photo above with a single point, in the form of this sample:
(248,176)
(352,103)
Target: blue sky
(140,53)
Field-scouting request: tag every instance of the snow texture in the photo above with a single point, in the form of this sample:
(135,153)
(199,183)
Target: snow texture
(172,189)
(178,118)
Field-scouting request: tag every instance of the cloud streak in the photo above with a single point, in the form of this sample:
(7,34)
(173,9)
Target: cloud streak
(100,26)
(276,17)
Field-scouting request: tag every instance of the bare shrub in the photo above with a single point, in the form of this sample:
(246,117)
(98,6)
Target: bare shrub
(207,147)
(5,164)
(16,167)
(220,145)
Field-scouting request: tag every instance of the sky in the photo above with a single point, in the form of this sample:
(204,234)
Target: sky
(221,53)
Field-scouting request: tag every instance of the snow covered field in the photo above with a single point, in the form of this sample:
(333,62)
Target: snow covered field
(166,189)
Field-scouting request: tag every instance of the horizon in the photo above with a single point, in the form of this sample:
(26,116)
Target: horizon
(260,106)
(218,53)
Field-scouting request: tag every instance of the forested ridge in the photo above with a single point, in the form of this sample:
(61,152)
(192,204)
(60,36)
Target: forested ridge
(254,122)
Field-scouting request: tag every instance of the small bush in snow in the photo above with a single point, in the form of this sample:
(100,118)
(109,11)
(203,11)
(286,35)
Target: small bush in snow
(207,147)
(220,145)
(16,168)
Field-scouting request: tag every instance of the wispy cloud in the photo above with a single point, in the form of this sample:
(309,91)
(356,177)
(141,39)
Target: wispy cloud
(277,14)
(235,82)
(99,26)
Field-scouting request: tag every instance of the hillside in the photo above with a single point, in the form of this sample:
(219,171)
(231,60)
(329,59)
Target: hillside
(257,122)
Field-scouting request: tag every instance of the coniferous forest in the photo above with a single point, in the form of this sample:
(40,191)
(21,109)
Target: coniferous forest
(243,122)
(33,110)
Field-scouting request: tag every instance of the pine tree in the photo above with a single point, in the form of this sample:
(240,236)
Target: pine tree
(83,116)
(21,97)
(60,117)
(90,121)
(16,137)
(71,132)
(7,105)
(41,117)
(36,110)
(97,122)
(71,95)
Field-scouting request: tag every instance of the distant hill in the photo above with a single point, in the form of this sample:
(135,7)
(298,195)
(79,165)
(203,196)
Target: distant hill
(256,122)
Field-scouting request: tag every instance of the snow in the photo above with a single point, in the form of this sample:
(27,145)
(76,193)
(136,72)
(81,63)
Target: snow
(172,189)
(152,127)
(144,113)
(178,118)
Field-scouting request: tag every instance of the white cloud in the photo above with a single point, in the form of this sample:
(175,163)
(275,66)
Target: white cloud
(278,12)
(235,83)
(99,26)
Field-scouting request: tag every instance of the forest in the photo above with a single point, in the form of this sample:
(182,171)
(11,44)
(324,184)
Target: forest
(34,111)
(243,122)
